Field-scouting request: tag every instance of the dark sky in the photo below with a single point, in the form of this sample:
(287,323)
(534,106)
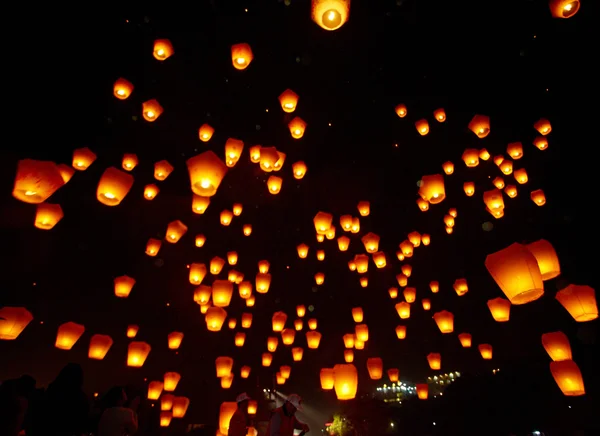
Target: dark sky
(509,60)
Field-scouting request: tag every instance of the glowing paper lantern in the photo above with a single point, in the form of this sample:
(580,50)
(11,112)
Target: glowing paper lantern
(327,377)
(440,115)
(546,257)
(206,173)
(486,351)
(568,377)
(434,360)
(36,181)
(422,391)
(274,184)
(151,110)
(155,388)
(557,346)
(480,125)
(297,127)
(205,132)
(224,366)
(225,413)
(174,340)
(346,381)
(288,100)
(401,110)
(500,309)
(47,215)
(330,14)
(113,186)
(241,56)
(422,127)
(200,204)
(432,188)
(122,88)
(137,353)
(68,334)
(580,302)
(13,321)
(132,330)
(83,158)
(180,406)
(175,231)
(162,169)
(543,125)
(465,340)
(444,321)
(215,318)
(163,49)
(375,368)
(171,380)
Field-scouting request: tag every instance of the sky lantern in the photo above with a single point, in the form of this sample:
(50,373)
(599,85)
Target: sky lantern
(199,240)
(346,222)
(245,289)
(401,110)
(494,201)
(132,330)
(216,265)
(515,150)
(278,321)
(233,151)
(226,217)
(538,197)
(465,340)
(299,169)
(155,388)
(297,353)
(180,406)
(432,188)
(245,371)
(362,263)
(137,353)
(486,351)
(346,381)
(359,345)
(272,343)
(222,291)
(227,381)
(302,251)
(348,340)
(448,168)
(449,220)
(288,100)
(123,286)
(371,242)
(175,231)
(410,294)
(541,142)
(322,222)
(47,215)
(66,172)
(151,110)
(330,233)
(232,257)
(426,302)
(516,271)
(288,336)
(469,188)
(330,14)
(122,88)
(320,255)
(199,203)
(99,346)
(205,132)
(355,225)
(301,310)
(461,287)
(279,378)
(568,377)
(241,56)
(162,169)
(174,340)
(204,308)
(313,339)
(402,280)
(520,176)
(171,380)
(226,411)
(422,391)
(480,125)
(439,115)
(266,359)
(254,153)
(444,321)
(232,323)
(163,49)
(285,371)
(580,302)
(83,158)
(471,157)
(511,191)
(564,8)
(546,257)
(498,182)
(224,366)
(364,208)
(206,172)
(407,248)
(543,126)
(423,204)
(13,321)
(403,309)
(247,229)
(506,167)
(215,318)
(274,184)
(434,286)
(379,259)
(434,360)
(348,356)
(166,402)
(557,346)
(401,331)
(262,282)
(352,265)
(364,282)
(297,127)
(484,154)
(268,158)
(500,309)
(393,292)
(357,314)
(129,162)
(151,191)
(415,239)
(422,126)
(375,368)
(326,375)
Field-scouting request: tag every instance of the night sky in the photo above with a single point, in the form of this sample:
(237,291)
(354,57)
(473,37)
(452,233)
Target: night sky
(509,60)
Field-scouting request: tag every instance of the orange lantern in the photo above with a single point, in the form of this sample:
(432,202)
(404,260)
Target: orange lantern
(302,251)
(407,248)
(226,411)
(129,161)
(224,366)
(233,151)
(247,229)
(448,167)
(132,330)
(288,336)
(151,110)
(272,343)
(401,331)
(174,339)
(471,157)
(521,176)
(245,371)
(216,265)
(215,318)
(349,356)
(299,169)
(375,368)
(171,379)
(83,158)
(484,154)
(322,222)
(122,88)
(175,231)
(222,291)
(66,172)
(288,100)
(13,321)
(241,56)
(47,215)
(200,240)
(246,320)
(313,339)
(197,273)
(444,321)
(200,204)
(580,302)
(205,132)
(515,150)
(371,242)
(432,188)
(422,126)
(357,314)
(327,378)
(278,321)
(541,142)
(486,351)
(312,324)
(226,217)
(297,127)
(461,287)
(401,110)
(434,286)
(166,402)
(434,360)
(274,184)
(500,309)
(99,346)
(379,260)
(227,381)
(465,340)
(206,172)
(511,191)
(410,294)
(165,418)
(267,358)
(113,186)
(568,378)
(422,391)
(151,191)
(440,115)
(557,346)
(348,340)
(163,49)
(262,283)
(469,188)
(300,311)
(123,286)
(538,197)
(162,169)
(546,257)
(393,292)
(480,125)
(403,310)
(346,381)
(180,406)
(137,353)
(426,304)
(297,354)
(330,14)
(543,125)
(155,388)
(564,8)
(516,271)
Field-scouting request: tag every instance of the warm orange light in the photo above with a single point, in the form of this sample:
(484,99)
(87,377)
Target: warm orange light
(541,142)
(163,49)
(241,56)
(486,351)
(448,167)
(83,158)
(123,286)
(13,321)
(205,132)
(226,217)
(47,215)
(444,321)
(233,151)
(440,115)
(288,100)
(432,188)
(330,14)
(175,231)
(137,353)
(401,110)
(206,172)
(465,340)
(538,197)
(297,127)
(471,157)
(480,125)
(299,169)
(469,188)
(122,88)
(346,381)
(500,309)
(557,346)
(151,110)
(274,184)
(99,346)
(422,127)
(543,125)
(247,229)
(580,302)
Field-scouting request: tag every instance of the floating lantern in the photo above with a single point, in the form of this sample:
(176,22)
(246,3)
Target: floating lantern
(557,346)
(245,371)
(224,366)
(151,110)
(166,402)
(247,229)
(480,125)
(180,406)
(469,188)
(313,339)
(541,142)
(401,110)
(155,388)
(122,88)
(83,158)
(401,331)
(288,100)
(375,368)
(546,257)
(422,391)
(465,340)
(568,378)
(330,14)
(299,169)
(129,161)
(500,309)
(241,56)
(564,8)
(444,321)
(225,217)
(538,197)
(205,132)
(174,340)
(403,310)
(233,151)
(132,330)
(274,184)
(439,115)
(163,49)
(175,230)
(47,215)
(137,353)
(302,251)
(461,287)
(206,173)
(216,265)
(13,321)
(422,127)
(66,172)
(486,351)
(448,167)
(371,242)
(346,381)
(123,286)
(410,295)
(432,188)
(434,286)
(171,380)
(434,360)
(297,127)
(511,191)
(471,157)
(262,283)
(543,125)
(515,150)
(580,302)
(151,191)
(215,318)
